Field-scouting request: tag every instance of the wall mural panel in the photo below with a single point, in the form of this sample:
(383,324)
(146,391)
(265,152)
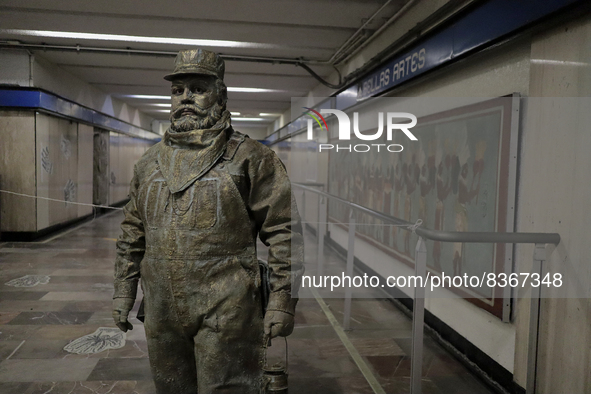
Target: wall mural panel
(454,178)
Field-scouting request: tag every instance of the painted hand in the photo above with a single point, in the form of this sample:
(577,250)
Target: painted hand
(277,323)
(121,308)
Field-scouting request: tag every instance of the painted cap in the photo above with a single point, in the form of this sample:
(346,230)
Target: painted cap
(197,61)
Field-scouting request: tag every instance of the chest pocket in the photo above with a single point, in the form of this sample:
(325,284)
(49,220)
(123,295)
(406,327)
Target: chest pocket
(195,208)
(153,197)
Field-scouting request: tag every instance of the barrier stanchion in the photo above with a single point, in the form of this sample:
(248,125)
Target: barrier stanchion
(321,231)
(534,319)
(350,261)
(418,319)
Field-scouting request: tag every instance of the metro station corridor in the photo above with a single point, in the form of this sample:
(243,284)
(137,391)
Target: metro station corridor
(38,322)
(420,139)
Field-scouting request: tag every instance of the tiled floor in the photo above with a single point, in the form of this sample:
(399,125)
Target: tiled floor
(36,323)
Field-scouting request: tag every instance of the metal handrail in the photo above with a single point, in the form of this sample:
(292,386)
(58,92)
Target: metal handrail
(539,258)
(444,236)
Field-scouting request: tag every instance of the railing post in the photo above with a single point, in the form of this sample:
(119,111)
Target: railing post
(534,319)
(350,261)
(418,319)
(321,231)
(304,231)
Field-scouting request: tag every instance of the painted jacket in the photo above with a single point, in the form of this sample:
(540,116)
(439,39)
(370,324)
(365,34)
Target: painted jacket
(245,194)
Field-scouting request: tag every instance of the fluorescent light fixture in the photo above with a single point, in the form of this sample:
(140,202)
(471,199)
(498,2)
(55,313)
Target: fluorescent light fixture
(146,97)
(235,113)
(249,119)
(234,119)
(351,92)
(142,39)
(252,90)
(560,62)
(230,89)
(159,105)
(267,114)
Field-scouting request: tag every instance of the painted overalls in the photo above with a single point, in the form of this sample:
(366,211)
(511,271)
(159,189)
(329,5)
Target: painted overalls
(199,269)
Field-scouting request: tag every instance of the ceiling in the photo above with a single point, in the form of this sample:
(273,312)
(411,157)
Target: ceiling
(310,30)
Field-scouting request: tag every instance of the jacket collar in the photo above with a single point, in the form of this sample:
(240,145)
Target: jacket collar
(185,157)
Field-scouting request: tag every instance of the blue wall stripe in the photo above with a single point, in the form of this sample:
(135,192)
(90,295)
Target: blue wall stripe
(38,99)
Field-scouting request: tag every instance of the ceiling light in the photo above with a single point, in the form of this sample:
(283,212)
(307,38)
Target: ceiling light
(159,105)
(146,97)
(230,89)
(266,114)
(560,62)
(252,90)
(235,113)
(143,39)
(351,92)
(249,119)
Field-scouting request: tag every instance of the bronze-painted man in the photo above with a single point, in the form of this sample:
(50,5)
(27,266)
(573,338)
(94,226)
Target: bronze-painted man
(198,201)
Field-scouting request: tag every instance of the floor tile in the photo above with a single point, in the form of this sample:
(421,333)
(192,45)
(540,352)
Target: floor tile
(21,295)
(39,349)
(42,318)
(86,387)
(5,317)
(15,387)
(122,369)
(376,347)
(46,370)
(460,384)
(78,296)
(385,366)
(17,333)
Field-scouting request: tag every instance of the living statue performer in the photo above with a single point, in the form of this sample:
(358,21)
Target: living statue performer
(198,201)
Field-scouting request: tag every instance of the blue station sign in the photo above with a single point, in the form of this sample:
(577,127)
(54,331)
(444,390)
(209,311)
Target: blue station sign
(486,23)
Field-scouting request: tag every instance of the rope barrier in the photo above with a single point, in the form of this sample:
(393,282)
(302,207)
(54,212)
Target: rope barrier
(56,200)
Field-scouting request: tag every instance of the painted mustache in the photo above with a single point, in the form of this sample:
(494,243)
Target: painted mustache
(189,110)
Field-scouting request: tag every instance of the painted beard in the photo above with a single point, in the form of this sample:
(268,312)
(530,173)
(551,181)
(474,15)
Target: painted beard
(200,119)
